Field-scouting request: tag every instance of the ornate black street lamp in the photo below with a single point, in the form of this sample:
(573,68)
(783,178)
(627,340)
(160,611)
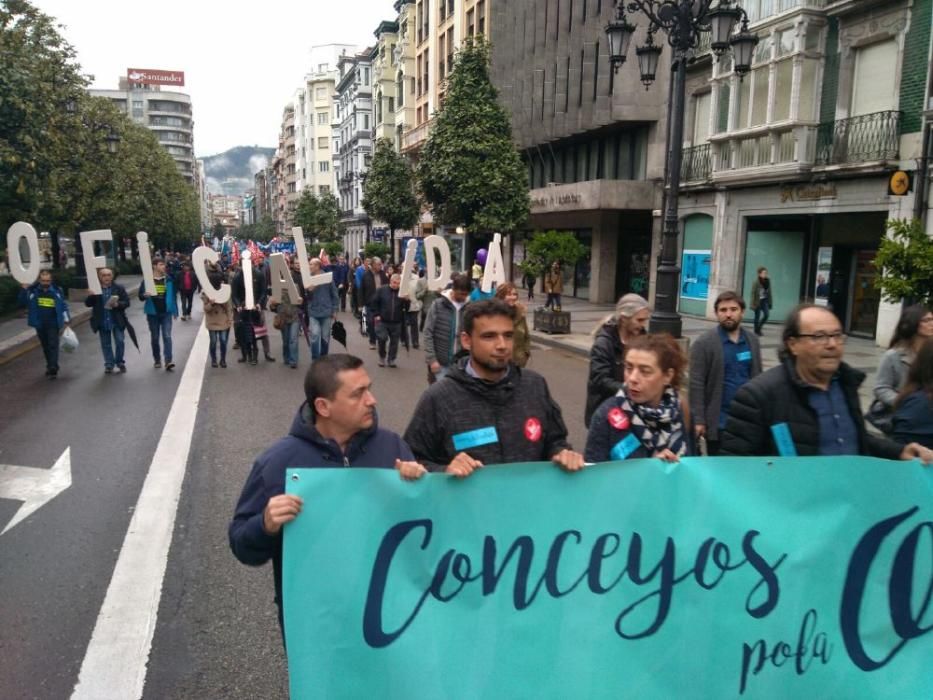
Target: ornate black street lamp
(682,21)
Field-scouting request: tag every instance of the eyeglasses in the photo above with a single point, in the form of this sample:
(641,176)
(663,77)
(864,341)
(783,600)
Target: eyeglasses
(824,338)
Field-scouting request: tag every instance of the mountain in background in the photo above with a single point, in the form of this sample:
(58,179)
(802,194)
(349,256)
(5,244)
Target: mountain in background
(231,172)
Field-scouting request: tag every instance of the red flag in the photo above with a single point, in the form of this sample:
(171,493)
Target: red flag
(323,257)
(235,253)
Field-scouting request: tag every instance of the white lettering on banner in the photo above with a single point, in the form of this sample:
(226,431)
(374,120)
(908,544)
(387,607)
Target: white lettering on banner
(21,273)
(145,261)
(247,267)
(199,258)
(281,279)
(301,250)
(435,244)
(407,289)
(495,268)
(92,263)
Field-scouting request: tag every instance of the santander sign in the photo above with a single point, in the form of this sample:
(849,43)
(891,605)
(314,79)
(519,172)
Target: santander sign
(152,76)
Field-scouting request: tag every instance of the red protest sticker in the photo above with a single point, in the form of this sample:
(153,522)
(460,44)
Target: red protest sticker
(533,429)
(618,419)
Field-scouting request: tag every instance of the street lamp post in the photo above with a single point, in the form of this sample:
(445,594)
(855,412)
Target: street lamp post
(682,21)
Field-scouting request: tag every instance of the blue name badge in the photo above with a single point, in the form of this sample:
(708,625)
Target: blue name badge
(785,443)
(744,356)
(624,447)
(475,438)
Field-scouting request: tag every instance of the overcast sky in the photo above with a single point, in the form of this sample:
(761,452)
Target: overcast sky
(242,60)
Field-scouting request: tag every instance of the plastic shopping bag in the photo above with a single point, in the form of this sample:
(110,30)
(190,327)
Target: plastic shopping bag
(69,341)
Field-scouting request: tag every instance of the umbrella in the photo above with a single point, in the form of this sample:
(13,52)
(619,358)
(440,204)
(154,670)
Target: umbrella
(339,333)
(127,327)
(132,333)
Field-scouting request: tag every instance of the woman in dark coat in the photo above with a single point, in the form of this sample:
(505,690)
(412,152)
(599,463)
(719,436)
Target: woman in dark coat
(611,334)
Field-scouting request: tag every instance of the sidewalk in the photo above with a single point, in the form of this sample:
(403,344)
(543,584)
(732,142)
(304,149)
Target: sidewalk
(16,337)
(861,353)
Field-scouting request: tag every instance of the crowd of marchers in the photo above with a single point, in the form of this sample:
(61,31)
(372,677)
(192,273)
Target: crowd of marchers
(482,407)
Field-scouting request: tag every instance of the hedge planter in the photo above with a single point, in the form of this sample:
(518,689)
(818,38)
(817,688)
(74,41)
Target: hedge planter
(549,321)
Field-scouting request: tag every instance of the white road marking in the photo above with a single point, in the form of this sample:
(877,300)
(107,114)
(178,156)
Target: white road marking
(35,487)
(115,662)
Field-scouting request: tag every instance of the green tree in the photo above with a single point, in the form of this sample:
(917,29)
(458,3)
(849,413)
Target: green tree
(470,170)
(265,228)
(329,227)
(547,247)
(905,263)
(306,213)
(375,249)
(333,249)
(318,216)
(218,230)
(38,80)
(388,193)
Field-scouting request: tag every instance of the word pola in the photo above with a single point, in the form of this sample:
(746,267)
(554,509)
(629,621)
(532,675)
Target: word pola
(438,275)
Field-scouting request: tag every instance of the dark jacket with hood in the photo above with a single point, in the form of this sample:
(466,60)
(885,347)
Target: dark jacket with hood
(304,447)
(512,420)
(780,396)
(606,376)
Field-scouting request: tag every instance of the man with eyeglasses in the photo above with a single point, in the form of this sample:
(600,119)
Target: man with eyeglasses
(808,405)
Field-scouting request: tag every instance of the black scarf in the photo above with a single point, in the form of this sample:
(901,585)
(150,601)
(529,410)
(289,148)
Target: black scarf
(658,427)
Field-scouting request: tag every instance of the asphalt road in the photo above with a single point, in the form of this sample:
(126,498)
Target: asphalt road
(216,634)
(55,565)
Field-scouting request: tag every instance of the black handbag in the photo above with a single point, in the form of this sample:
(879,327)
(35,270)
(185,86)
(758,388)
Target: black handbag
(880,416)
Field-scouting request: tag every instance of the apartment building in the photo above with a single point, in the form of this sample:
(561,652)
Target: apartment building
(353,146)
(166,113)
(314,116)
(593,140)
(791,167)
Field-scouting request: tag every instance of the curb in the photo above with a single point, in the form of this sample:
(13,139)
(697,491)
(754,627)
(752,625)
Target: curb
(23,342)
(552,342)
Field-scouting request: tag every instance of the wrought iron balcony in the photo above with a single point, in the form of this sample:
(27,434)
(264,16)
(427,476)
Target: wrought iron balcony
(697,163)
(861,139)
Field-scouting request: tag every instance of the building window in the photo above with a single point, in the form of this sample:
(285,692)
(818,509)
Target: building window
(366,76)
(701,104)
(322,142)
(873,84)
(366,122)
(322,118)
(471,23)
(323,189)
(323,166)
(392,104)
(320,94)
(481,17)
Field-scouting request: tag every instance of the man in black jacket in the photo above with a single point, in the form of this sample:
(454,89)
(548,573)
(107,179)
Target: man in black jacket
(389,311)
(809,404)
(108,319)
(488,410)
(374,278)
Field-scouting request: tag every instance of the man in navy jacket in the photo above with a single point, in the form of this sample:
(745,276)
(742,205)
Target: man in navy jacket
(336,427)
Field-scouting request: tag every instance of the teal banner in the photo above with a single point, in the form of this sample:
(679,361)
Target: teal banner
(712,578)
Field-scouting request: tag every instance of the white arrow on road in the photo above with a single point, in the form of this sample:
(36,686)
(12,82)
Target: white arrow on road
(35,487)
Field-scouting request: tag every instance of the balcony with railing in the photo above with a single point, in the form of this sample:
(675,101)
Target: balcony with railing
(413,138)
(858,140)
(760,10)
(696,164)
